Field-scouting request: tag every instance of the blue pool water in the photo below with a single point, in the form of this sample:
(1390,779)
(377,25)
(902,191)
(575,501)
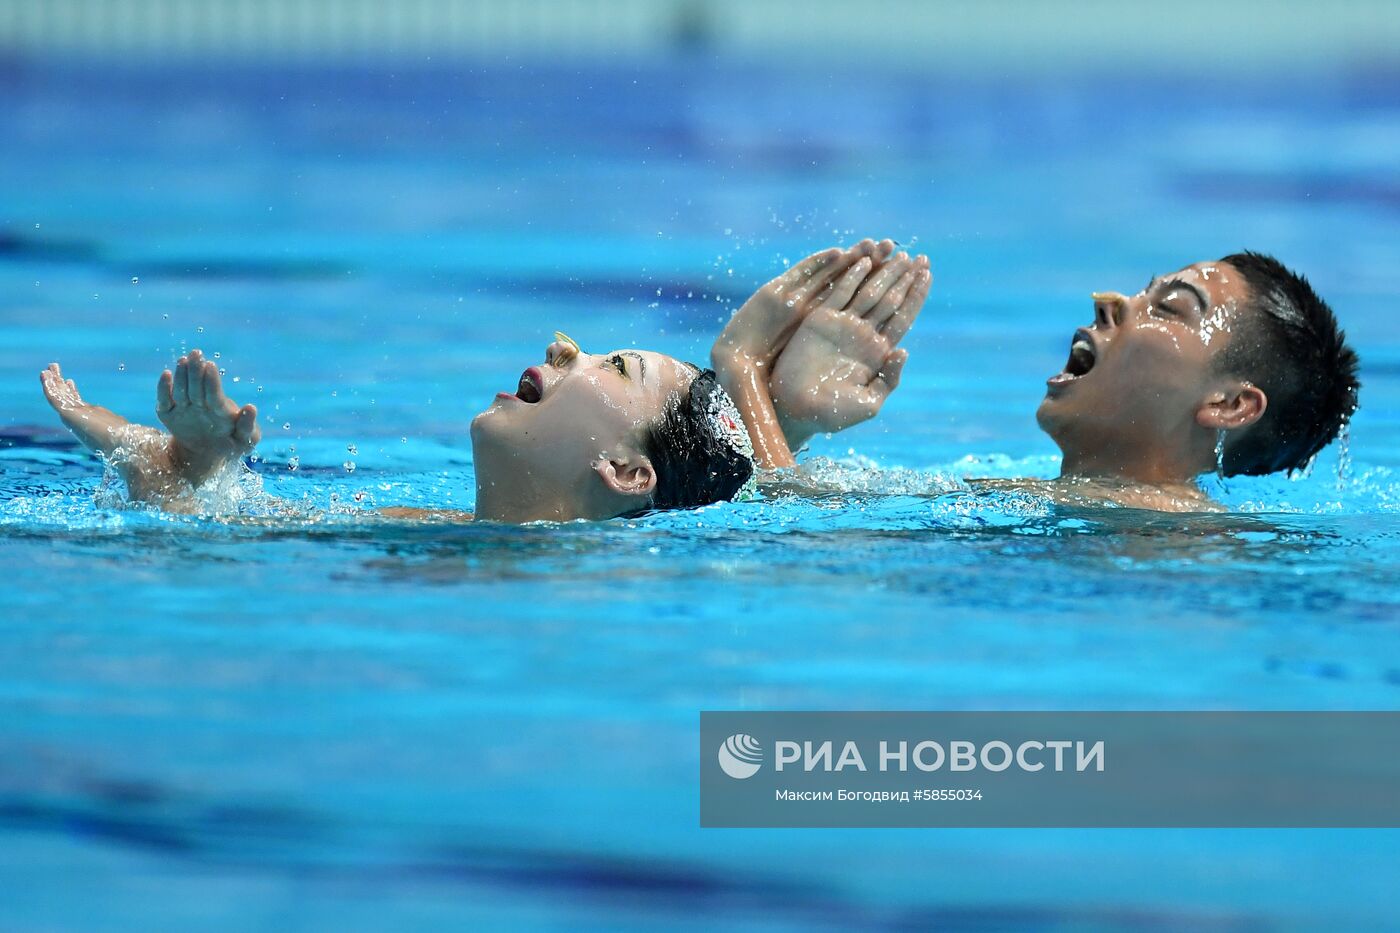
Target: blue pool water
(314,722)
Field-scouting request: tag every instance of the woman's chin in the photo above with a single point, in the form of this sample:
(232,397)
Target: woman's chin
(492,417)
(485,427)
(498,440)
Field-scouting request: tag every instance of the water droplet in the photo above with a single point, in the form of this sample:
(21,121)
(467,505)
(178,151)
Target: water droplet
(199,330)
(121,367)
(286,426)
(216,354)
(352,448)
(293,464)
(237,378)
(349,466)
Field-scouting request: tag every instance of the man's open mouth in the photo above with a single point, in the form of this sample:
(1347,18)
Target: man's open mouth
(531,387)
(1082,357)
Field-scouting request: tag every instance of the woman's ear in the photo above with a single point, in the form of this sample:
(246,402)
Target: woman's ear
(627,477)
(1236,406)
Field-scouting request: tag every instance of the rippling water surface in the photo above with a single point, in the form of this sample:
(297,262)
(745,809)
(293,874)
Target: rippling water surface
(306,719)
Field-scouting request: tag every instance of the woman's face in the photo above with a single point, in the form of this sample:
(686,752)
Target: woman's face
(568,442)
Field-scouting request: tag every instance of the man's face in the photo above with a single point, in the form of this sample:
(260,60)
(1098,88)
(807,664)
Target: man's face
(1138,375)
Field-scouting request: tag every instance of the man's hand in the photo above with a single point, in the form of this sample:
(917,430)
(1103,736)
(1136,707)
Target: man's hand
(841,363)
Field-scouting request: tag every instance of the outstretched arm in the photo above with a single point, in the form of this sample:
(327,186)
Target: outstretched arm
(207,430)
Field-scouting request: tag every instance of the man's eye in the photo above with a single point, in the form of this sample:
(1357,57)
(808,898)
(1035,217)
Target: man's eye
(617,360)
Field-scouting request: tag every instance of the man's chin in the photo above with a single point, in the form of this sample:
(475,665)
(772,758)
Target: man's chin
(1049,413)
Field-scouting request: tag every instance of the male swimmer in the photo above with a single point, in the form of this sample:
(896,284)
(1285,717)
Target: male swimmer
(592,436)
(1235,366)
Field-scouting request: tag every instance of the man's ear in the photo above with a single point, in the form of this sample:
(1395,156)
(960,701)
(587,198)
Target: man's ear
(1236,406)
(627,477)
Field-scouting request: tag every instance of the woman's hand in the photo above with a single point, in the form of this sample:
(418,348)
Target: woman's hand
(842,362)
(207,431)
(207,428)
(745,352)
(759,330)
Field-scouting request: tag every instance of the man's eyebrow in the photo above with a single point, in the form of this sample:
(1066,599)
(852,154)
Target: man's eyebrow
(640,362)
(1181,283)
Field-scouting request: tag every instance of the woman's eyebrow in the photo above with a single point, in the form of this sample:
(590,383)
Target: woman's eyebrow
(641,363)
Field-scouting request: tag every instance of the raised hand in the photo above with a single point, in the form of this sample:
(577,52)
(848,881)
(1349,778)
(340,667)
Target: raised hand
(759,330)
(842,362)
(208,429)
(744,354)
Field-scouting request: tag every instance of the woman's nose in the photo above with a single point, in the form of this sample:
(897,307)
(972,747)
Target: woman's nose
(559,354)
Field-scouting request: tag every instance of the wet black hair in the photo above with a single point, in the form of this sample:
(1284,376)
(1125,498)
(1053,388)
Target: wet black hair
(695,463)
(1291,347)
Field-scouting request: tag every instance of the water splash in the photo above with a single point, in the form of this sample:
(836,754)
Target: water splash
(1343,454)
(1220,461)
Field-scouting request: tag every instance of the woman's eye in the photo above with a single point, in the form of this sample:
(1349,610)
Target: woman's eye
(621,364)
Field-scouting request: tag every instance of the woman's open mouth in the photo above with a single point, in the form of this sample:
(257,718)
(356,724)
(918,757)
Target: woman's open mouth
(1082,357)
(531,387)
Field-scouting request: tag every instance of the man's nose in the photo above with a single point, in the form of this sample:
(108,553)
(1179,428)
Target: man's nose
(1108,309)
